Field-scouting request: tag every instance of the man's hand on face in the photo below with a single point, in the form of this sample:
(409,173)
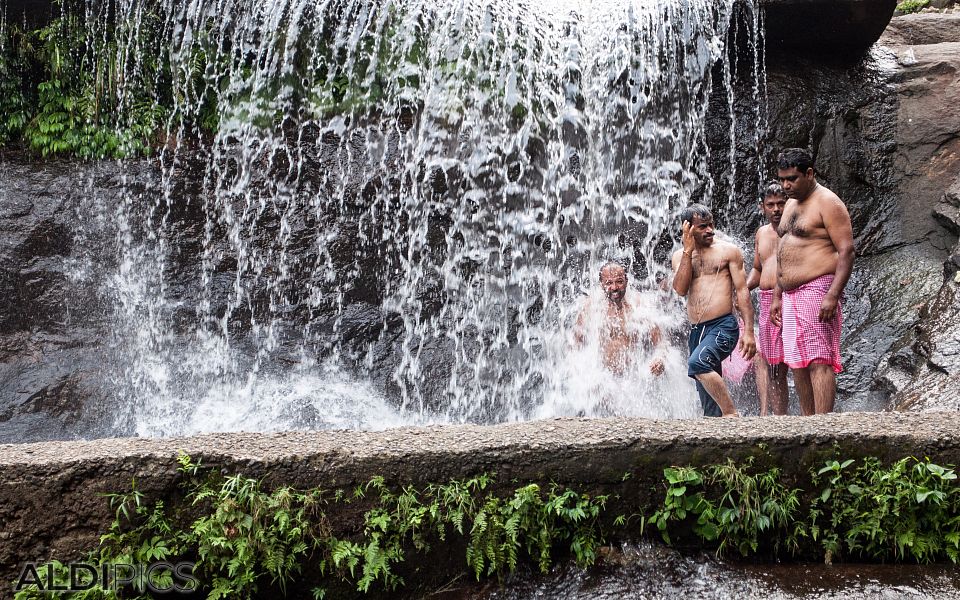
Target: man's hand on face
(689,243)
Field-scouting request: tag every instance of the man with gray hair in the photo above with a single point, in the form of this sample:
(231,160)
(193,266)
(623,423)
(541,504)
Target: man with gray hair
(618,323)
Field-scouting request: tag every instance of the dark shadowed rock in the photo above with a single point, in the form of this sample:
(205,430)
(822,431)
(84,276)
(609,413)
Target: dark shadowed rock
(847,114)
(885,137)
(838,30)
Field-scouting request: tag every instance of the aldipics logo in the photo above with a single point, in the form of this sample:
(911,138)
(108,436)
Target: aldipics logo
(158,577)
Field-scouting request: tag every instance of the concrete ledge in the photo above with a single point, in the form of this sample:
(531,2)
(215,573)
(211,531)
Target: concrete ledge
(51,507)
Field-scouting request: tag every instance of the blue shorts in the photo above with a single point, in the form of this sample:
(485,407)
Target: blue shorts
(710,343)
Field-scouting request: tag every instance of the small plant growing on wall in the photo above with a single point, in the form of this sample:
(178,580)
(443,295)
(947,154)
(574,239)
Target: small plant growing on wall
(911,6)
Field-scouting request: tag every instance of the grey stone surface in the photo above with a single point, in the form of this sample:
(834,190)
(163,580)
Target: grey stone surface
(51,507)
(923,370)
(922,29)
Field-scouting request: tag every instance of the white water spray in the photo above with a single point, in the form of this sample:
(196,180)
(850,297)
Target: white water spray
(403,205)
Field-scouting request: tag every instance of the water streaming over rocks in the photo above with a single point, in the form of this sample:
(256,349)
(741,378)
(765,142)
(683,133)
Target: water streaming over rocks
(649,571)
(404,204)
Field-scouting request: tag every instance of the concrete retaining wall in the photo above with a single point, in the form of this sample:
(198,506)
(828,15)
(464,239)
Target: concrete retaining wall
(51,507)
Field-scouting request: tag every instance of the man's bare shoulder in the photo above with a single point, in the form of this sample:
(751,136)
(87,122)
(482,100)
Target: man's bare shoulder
(833,211)
(728,250)
(675,258)
(766,231)
(827,201)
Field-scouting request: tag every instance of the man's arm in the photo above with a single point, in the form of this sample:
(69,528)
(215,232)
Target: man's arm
(776,313)
(747,344)
(836,220)
(683,263)
(753,280)
(580,327)
(656,365)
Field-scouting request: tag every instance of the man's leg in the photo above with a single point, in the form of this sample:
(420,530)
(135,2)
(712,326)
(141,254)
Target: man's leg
(777,376)
(717,389)
(801,377)
(824,383)
(761,368)
(710,408)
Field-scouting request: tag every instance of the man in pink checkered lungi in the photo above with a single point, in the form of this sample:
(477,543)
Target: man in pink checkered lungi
(771,372)
(814,261)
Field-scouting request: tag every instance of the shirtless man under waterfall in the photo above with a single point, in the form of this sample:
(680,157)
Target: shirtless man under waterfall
(618,323)
(708,273)
(814,261)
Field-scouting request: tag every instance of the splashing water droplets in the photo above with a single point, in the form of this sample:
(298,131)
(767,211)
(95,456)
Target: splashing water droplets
(402,206)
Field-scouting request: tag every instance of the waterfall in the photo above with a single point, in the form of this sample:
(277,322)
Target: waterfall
(376,212)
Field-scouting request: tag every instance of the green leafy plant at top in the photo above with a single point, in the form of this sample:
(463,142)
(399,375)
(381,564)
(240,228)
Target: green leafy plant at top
(79,111)
(64,91)
(912,6)
(15,51)
(910,509)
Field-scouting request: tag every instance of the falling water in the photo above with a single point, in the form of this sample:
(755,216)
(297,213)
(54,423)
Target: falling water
(404,206)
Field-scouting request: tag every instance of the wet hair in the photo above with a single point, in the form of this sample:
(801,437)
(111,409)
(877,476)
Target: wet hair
(613,263)
(695,210)
(772,188)
(795,157)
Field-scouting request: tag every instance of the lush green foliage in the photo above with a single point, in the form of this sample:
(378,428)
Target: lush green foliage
(100,85)
(244,538)
(62,94)
(241,536)
(909,510)
(912,6)
(730,505)
(14,104)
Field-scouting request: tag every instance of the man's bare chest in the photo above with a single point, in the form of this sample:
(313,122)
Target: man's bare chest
(767,246)
(802,224)
(708,267)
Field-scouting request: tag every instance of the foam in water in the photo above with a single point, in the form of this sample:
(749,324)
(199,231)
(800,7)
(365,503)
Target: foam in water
(403,207)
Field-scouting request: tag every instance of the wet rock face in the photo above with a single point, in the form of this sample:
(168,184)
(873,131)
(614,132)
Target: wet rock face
(847,116)
(41,329)
(923,370)
(55,328)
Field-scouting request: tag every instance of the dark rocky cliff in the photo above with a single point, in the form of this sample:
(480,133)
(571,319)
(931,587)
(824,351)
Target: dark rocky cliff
(886,139)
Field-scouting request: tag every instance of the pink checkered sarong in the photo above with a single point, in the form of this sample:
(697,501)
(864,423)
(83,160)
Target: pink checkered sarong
(805,339)
(771,342)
